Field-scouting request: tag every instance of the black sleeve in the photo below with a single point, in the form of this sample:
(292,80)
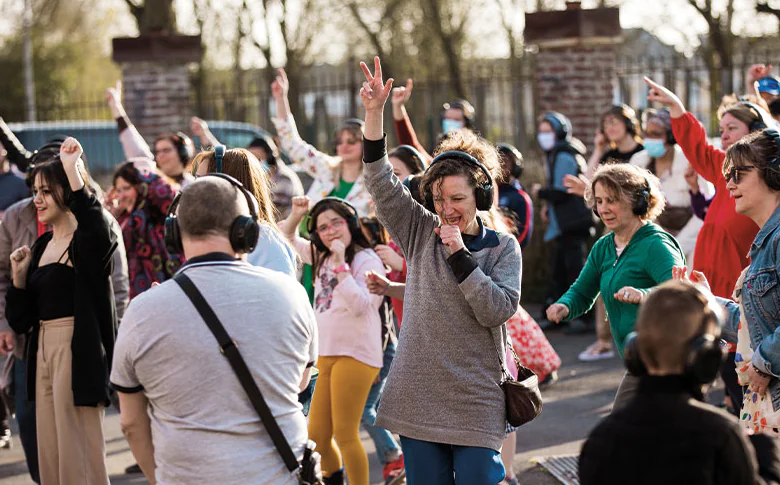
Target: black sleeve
(94,236)
(553,195)
(16,152)
(736,461)
(122,123)
(462,264)
(768,456)
(374,150)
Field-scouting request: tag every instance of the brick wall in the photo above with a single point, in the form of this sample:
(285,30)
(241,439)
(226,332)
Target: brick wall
(578,82)
(157,96)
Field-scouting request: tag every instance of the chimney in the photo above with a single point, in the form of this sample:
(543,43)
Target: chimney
(574,5)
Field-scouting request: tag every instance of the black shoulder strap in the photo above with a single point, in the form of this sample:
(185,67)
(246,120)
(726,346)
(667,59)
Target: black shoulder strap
(228,348)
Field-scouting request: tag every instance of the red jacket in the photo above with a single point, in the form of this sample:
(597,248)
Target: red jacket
(724,241)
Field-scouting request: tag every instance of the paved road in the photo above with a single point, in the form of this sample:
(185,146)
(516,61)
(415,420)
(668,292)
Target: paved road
(572,408)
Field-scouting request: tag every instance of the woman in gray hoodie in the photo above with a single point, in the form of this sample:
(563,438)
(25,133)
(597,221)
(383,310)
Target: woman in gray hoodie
(443,394)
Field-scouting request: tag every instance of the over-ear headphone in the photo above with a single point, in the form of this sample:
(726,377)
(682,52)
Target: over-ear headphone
(641,204)
(244,231)
(483,192)
(514,156)
(184,147)
(353,221)
(468,110)
(560,124)
(705,354)
(627,114)
(758,124)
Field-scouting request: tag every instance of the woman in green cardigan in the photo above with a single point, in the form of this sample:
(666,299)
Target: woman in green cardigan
(629,261)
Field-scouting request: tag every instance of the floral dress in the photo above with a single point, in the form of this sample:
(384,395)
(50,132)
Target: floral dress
(757,414)
(532,347)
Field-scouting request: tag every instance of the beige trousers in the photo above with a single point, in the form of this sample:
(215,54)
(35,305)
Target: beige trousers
(71,448)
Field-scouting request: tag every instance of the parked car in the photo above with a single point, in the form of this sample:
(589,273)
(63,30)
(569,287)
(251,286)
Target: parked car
(101,143)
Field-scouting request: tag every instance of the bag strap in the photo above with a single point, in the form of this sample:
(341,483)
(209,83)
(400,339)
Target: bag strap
(229,349)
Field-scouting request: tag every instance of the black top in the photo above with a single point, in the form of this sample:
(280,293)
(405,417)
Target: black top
(666,436)
(53,286)
(615,156)
(94,326)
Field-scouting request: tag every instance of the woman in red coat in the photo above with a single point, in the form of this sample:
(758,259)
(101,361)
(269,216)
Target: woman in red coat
(724,240)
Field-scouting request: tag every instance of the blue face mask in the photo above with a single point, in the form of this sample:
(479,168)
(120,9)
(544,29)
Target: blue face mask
(448,125)
(655,147)
(546,140)
(266,166)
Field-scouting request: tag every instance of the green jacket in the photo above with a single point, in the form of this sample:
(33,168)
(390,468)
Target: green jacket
(645,262)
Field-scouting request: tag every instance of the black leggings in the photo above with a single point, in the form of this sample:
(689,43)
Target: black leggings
(728,372)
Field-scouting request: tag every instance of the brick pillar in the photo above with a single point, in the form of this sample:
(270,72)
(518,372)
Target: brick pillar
(576,63)
(156,80)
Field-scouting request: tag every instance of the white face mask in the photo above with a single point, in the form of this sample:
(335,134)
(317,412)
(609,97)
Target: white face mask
(546,140)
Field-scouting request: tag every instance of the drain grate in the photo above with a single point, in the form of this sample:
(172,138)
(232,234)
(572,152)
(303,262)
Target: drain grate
(562,467)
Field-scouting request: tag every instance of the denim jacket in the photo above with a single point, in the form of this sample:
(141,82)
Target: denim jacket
(760,295)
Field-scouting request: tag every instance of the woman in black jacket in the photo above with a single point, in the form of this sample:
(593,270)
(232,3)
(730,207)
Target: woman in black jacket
(62,298)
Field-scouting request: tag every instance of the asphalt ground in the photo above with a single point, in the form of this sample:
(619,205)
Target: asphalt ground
(572,407)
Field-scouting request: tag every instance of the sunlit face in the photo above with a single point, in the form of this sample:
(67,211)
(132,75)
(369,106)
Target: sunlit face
(349,147)
(750,193)
(731,130)
(45,204)
(614,128)
(454,201)
(167,158)
(332,226)
(616,213)
(456,114)
(399,168)
(126,193)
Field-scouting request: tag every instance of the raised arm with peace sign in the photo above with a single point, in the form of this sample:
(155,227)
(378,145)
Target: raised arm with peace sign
(374,94)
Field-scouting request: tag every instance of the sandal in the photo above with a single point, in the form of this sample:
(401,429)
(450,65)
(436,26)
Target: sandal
(597,351)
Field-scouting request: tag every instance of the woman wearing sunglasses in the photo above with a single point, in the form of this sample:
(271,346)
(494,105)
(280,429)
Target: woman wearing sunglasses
(752,174)
(724,239)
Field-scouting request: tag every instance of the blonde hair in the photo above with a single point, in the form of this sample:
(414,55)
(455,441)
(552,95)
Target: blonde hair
(243,166)
(629,182)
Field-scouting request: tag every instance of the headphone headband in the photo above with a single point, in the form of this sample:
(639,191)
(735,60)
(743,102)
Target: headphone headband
(483,192)
(776,137)
(459,155)
(219,153)
(310,223)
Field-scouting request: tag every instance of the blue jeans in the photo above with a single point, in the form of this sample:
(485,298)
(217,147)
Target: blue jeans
(305,396)
(429,463)
(25,417)
(383,440)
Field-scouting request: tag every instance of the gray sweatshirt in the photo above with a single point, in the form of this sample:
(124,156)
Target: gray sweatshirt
(444,384)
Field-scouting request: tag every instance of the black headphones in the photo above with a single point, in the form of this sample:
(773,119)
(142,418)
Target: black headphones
(219,154)
(244,231)
(417,159)
(758,124)
(514,156)
(184,147)
(353,221)
(463,105)
(641,205)
(483,193)
(627,114)
(705,354)
(560,124)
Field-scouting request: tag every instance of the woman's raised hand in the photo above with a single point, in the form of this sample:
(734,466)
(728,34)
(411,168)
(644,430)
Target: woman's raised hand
(280,87)
(300,206)
(114,99)
(374,92)
(20,263)
(660,94)
(400,96)
(70,152)
(680,273)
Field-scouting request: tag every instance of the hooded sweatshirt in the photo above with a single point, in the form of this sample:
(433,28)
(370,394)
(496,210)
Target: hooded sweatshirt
(645,262)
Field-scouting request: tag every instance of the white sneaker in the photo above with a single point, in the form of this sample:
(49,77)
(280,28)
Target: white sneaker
(597,351)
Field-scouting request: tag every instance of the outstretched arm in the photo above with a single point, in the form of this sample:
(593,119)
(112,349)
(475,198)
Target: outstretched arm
(289,227)
(403,124)
(133,143)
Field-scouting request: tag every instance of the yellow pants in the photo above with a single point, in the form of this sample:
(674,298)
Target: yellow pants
(339,398)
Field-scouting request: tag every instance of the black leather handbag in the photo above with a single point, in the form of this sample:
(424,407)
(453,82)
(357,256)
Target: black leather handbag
(309,471)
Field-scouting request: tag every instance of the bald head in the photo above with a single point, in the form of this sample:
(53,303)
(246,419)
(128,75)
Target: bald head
(208,207)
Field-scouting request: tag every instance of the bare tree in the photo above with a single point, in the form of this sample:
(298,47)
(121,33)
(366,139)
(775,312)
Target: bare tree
(718,50)
(154,16)
(763,7)
(382,26)
(447,19)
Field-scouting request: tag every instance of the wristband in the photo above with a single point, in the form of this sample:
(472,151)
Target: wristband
(760,372)
(342,268)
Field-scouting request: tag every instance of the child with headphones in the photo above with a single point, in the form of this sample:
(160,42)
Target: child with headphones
(350,343)
(443,394)
(666,434)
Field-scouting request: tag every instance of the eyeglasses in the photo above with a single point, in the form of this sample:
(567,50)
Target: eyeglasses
(333,225)
(733,172)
